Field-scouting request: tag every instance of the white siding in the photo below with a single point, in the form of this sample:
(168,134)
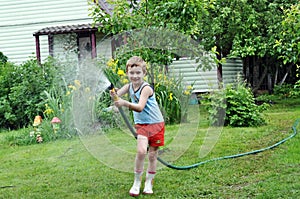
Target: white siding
(19,19)
(204,81)
(232,70)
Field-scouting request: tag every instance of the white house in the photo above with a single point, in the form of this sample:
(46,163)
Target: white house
(20,19)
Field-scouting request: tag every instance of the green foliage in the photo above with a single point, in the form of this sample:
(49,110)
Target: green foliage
(287,90)
(58,103)
(3,58)
(21,88)
(172,96)
(235,106)
(176,15)
(167,28)
(33,89)
(288,42)
(105,112)
(266,30)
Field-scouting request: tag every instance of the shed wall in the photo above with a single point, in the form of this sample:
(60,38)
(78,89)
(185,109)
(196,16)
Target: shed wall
(206,80)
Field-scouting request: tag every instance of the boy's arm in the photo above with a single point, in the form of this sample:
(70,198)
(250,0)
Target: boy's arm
(146,92)
(123,90)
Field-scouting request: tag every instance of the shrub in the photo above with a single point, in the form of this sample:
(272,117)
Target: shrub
(40,90)
(287,90)
(20,92)
(235,106)
(3,58)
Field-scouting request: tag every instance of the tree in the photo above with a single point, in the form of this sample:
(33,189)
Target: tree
(288,41)
(238,28)
(246,29)
(175,15)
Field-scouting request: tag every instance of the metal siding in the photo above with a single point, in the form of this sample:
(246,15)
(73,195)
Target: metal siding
(231,70)
(202,81)
(205,80)
(19,19)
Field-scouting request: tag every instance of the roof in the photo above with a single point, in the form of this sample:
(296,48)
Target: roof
(66,29)
(108,8)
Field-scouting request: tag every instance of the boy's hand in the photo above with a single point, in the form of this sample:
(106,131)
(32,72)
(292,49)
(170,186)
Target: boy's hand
(120,102)
(113,94)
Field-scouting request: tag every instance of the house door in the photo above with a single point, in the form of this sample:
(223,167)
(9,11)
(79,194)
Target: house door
(84,46)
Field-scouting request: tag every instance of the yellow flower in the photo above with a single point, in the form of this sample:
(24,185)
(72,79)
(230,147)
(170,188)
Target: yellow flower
(72,87)
(160,76)
(92,98)
(48,110)
(121,72)
(77,83)
(171,96)
(110,63)
(124,80)
(87,89)
(157,85)
(189,87)
(187,92)
(68,93)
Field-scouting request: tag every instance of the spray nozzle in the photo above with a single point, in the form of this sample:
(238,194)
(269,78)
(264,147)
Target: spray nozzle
(112,89)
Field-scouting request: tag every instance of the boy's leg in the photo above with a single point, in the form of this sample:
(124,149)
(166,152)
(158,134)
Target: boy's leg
(142,143)
(151,171)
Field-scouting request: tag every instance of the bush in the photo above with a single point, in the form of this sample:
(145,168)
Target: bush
(21,88)
(31,90)
(235,106)
(288,90)
(3,58)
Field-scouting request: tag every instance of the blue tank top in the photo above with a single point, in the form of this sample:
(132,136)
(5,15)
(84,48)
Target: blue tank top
(151,114)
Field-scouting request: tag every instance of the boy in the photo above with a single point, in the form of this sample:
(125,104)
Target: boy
(148,119)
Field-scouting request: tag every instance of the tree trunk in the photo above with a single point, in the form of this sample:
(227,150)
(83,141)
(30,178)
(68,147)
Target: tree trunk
(255,80)
(260,81)
(276,76)
(219,69)
(286,74)
(246,68)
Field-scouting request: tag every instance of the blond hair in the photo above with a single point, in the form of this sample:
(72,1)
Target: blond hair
(136,61)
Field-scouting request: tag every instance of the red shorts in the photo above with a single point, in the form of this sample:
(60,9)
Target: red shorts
(154,132)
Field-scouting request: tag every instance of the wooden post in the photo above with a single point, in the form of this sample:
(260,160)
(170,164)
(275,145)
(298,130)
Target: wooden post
(37,48)
(93,42)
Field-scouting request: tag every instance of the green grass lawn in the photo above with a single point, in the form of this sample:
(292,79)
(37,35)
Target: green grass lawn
(66,169)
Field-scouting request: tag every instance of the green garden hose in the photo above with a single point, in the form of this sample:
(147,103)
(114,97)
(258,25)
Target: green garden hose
(214,159)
